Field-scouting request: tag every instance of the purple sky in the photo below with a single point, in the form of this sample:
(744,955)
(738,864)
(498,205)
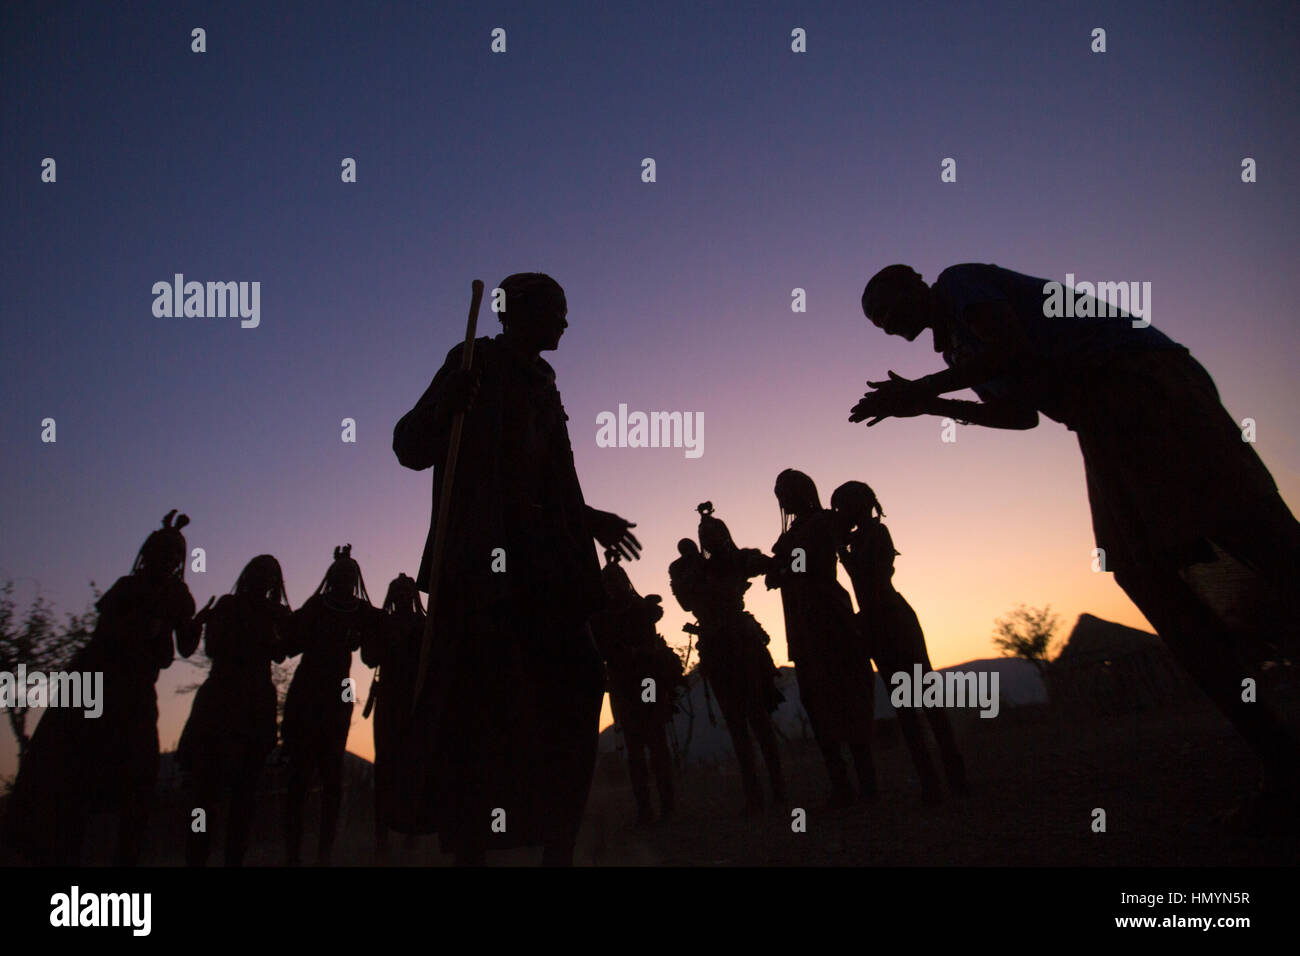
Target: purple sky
(775,170)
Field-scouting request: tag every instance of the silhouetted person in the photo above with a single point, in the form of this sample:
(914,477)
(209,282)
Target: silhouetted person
(317,712)
(1187,516)
(510,715)
(231,729)
(733,646)
(394,652)
(830,656)
(892,630)
(77,765)
(634,652)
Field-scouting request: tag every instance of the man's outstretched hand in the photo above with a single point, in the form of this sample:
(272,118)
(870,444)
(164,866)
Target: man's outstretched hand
(612,532)
(895,397)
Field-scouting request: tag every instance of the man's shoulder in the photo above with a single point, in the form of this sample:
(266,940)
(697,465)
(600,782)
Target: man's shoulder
(485,347)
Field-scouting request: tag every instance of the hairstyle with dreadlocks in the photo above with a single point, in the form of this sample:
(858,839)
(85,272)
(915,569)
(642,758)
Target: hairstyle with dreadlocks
(403,597)
(165,548)
(715,537)
(857,493)
(802,489)
(262,578)
(343,577)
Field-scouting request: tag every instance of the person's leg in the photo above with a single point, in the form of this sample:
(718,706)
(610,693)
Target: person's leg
(761,722)
(636,744)
(909,723)
(381,777)
(730,702)
(1215,660)
(573,737)
(381,828)
(953,764)
(331,798)
(865,765)
(243,806)
(295,799)
(661,763)
(758,690)
(830,745)
(206,796)
(139,781)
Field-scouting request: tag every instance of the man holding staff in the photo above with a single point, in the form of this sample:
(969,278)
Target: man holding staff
(503,744)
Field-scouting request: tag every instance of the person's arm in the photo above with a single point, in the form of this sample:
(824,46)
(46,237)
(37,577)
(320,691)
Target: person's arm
(974,371)
(1004,349)
(279,641)
(612,532)
(421,435)
(179,624)
(778,565)
(996,414)
(188,634)
(295,629)
(376,645)
(370,625)
(754,562)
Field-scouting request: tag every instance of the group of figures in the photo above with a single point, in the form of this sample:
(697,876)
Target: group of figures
(77,766)
(831,646)
(498,748)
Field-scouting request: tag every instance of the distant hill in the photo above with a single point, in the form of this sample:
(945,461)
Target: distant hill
(1106,667)
(1094,640)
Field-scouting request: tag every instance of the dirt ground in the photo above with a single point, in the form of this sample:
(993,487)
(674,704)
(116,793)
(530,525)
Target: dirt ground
(1163,777)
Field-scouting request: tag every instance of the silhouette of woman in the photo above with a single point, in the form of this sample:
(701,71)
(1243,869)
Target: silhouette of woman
(77,766)
(891,629)
(831,659)
(394,652)
(625,635)
(733,646)
(231,729)
(318,710)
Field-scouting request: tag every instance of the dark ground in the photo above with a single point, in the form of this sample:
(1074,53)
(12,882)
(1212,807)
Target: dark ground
(1036,774)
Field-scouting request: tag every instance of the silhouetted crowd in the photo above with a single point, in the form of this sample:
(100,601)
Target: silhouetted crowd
(486,705)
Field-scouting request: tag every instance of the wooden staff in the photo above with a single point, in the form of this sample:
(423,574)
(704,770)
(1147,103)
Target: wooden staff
(444,500)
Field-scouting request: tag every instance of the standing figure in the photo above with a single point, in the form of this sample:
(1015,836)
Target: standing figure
(78,764)
(503,748)
(1185,514)
(733,646)
(831,659)
(892,630)
(634,653)
(394,652)
(231,729)
(318,708)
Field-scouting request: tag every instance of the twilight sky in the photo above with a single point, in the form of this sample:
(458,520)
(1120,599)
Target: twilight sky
(775,170)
